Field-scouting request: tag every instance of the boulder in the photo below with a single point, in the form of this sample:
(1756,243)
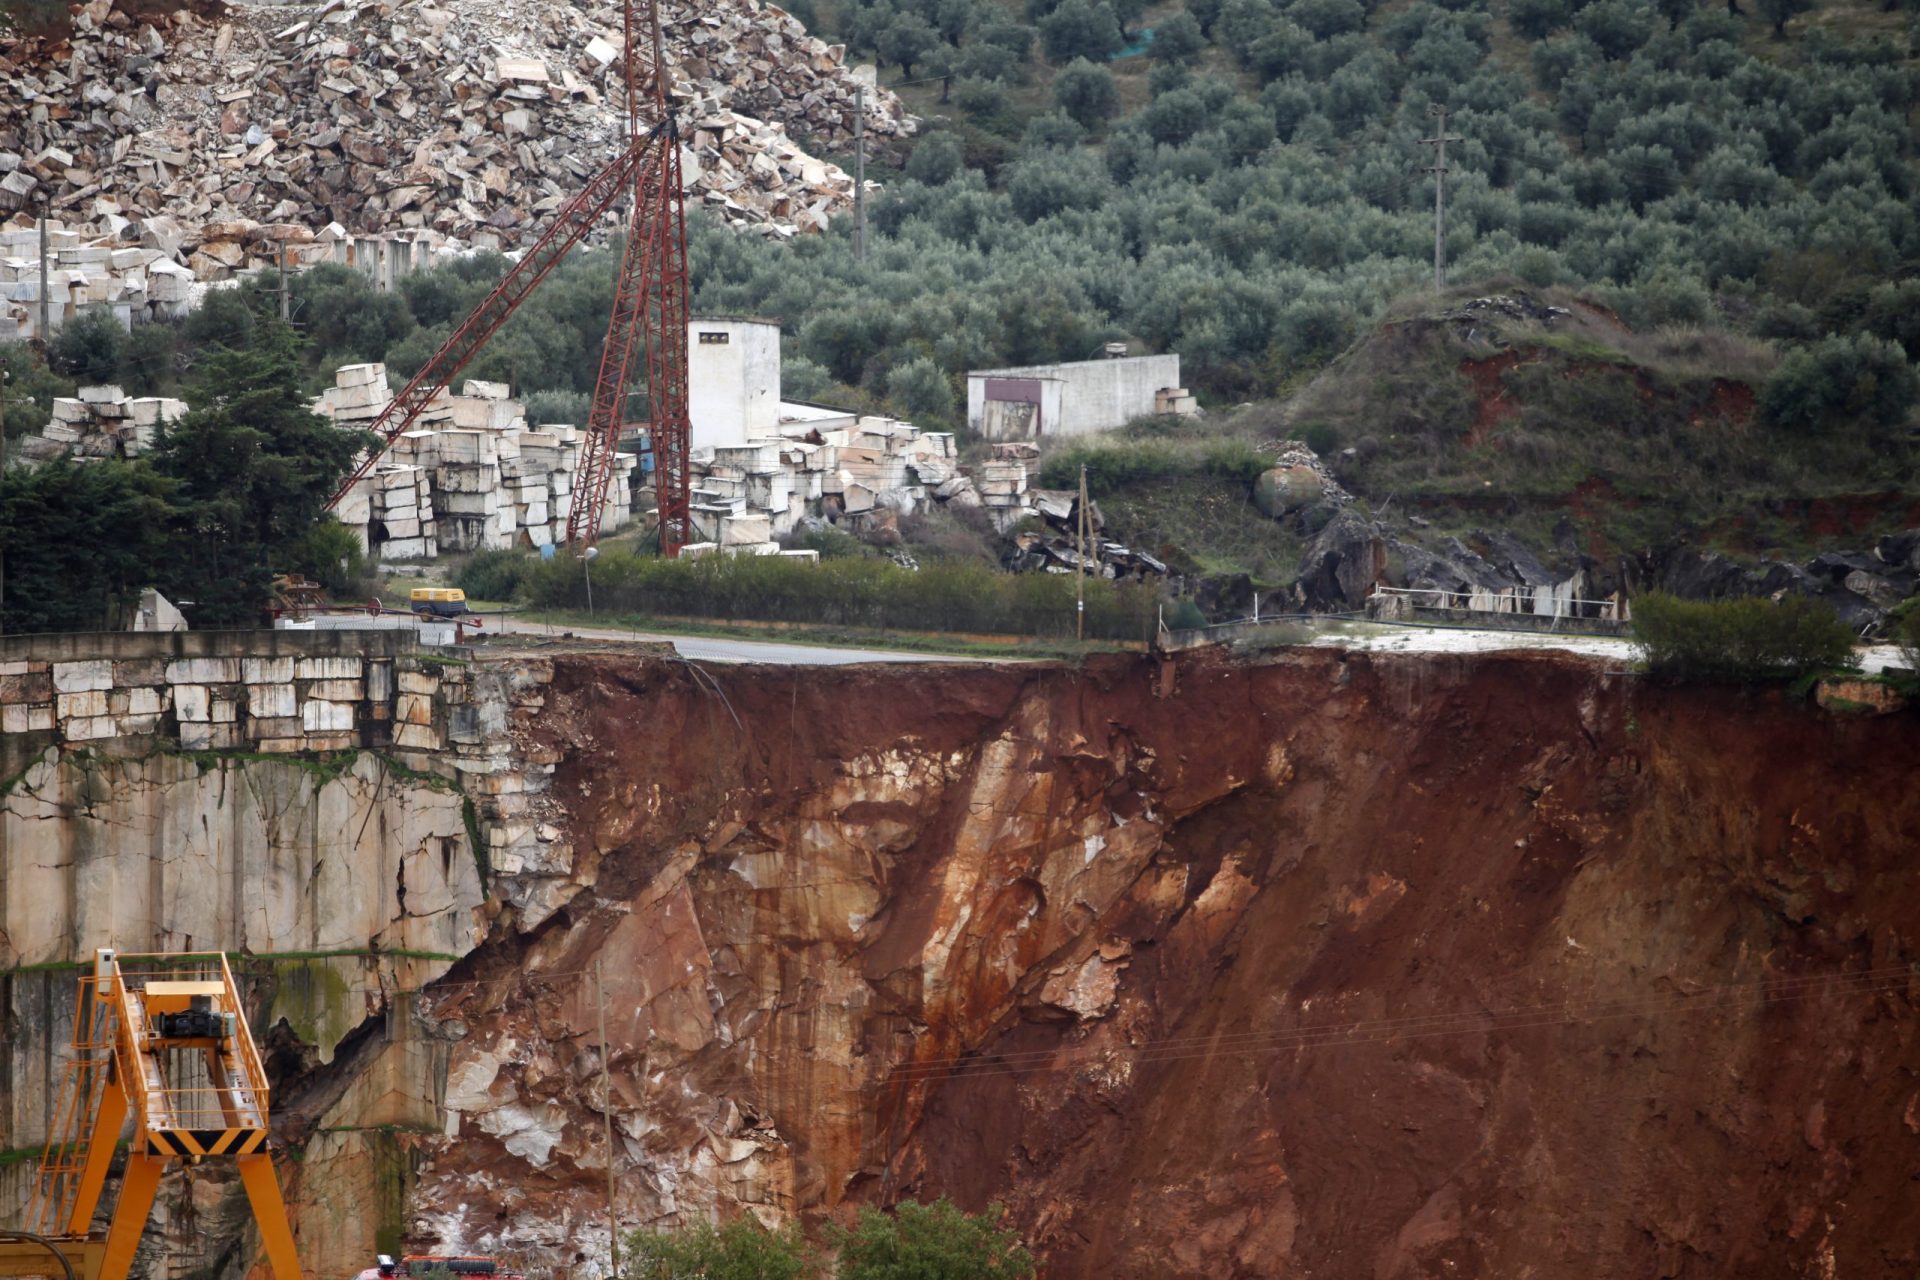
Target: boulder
(1340,567)
(1900,550)
(1281,490)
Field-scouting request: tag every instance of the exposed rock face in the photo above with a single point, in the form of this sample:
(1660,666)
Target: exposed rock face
(170,853)
(354,876)
(1342,564)
(1324,966)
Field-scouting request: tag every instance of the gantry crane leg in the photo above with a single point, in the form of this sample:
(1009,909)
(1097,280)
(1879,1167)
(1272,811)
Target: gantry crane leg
(162,1049)
(106,1131)
(270,1212)
(137,1190)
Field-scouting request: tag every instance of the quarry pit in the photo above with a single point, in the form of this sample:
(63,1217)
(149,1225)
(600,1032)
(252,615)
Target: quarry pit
(1320,963)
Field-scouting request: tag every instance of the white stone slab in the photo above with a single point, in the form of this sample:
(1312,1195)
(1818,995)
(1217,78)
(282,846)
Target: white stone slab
(78,677)
(320,716)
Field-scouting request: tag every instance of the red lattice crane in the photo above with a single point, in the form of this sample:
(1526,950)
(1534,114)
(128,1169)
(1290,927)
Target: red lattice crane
(649,312)
(650,315)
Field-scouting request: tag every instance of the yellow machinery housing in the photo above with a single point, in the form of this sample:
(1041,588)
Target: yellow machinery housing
(161,1040)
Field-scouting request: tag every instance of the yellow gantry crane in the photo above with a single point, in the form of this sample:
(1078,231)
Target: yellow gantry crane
(161,1040)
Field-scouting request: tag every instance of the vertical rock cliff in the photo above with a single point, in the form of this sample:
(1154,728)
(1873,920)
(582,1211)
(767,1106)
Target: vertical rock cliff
(1322,965)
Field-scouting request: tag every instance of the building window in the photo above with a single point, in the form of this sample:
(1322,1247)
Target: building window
(706,337)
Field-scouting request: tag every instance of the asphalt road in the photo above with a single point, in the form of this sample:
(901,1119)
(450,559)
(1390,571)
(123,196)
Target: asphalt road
(719,649)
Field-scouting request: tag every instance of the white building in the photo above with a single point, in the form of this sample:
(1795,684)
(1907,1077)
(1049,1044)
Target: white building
(1073,399)
(733,380)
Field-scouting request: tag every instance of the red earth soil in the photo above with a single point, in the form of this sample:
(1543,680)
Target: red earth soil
(1492,404)
(1320,965)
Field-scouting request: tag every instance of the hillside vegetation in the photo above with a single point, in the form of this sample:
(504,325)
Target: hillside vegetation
(1686,236)
(1242,181)
(1251,190)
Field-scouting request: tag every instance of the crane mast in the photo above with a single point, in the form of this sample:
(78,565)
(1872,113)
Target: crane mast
(649,315)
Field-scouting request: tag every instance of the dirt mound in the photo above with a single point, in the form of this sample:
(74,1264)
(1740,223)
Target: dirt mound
(1330,965)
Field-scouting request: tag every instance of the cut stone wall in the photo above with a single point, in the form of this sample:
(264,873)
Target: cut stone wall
(309,802)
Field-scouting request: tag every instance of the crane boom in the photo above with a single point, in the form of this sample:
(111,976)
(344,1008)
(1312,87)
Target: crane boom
(569,227)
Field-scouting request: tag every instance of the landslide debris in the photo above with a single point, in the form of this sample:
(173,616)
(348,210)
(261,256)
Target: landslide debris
(469,118)
(1069,940)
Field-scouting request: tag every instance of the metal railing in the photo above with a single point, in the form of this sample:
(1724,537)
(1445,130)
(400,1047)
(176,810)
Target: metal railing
(1509,600)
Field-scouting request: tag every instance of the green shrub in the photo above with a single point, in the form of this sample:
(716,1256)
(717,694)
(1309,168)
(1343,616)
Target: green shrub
(569,407)
(29,387)
(492,575)
(847,591)
(330,554)
(1118,464)
(1179,39)
(1841,380)
(1185,615)
(938,157)
(741,1250)
(920,392)
(1086,92)
(1080,29)
(931,1242)
(147,358)
(87,348)
(1906,633)
(1745,639)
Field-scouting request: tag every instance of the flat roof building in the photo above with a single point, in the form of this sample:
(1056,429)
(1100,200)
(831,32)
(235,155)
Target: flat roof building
(1072,399)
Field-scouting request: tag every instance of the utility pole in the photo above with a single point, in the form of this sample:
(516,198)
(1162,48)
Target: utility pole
(286,311)
(1439,172)
(46,333)
(606,1110)
(1082,532)
(859,171)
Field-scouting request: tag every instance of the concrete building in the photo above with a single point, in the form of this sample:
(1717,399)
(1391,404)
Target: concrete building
(733,380)
(1073,399)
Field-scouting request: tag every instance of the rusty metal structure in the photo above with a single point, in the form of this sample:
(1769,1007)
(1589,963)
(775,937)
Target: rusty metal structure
(649,316)
(160,1044)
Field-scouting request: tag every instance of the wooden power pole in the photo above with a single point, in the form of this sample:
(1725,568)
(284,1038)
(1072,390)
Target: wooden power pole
(46,331)
(1082,534)
(859,171)
(1439,171)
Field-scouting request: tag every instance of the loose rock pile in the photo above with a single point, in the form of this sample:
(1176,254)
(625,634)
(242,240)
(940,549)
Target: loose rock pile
(472,118)
(1058,549)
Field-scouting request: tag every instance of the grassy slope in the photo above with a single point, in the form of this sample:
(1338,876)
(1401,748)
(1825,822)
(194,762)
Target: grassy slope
(1635,438)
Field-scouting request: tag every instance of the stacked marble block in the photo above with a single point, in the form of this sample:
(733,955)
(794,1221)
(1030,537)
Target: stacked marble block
(278,704)
(100,422)
(490,482)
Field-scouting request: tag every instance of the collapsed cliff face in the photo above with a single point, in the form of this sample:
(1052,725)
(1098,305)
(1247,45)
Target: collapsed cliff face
(1326,965)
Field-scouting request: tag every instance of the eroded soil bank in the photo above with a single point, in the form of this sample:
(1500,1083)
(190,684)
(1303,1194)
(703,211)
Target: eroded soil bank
(1327,965)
